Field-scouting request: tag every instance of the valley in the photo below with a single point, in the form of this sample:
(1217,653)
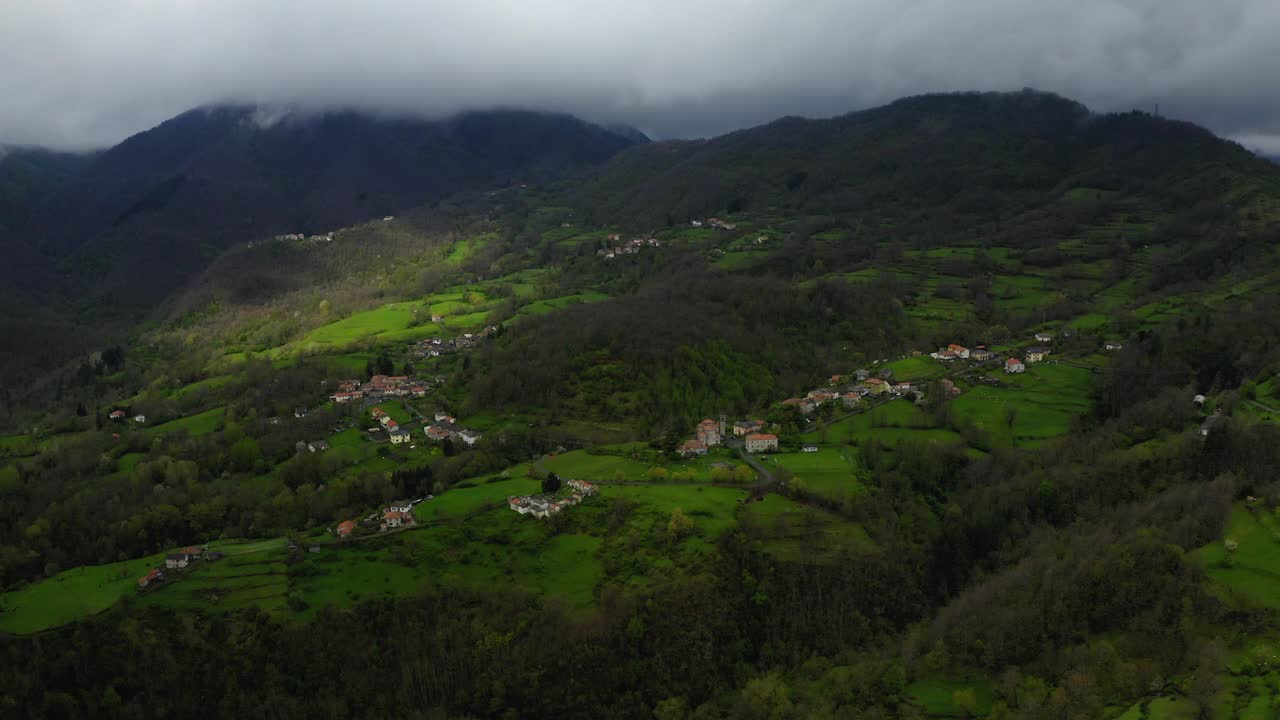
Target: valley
(988,437)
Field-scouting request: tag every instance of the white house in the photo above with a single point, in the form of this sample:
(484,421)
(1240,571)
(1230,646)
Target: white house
(469,436)
(1014,365)
(394,518)
(176,560)
(1112,346)
(399,436)
(1044,337)
(809,449)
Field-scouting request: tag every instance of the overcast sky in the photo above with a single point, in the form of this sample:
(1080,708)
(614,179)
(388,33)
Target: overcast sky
(87,73)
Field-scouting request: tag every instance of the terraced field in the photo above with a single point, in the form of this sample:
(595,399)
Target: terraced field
(250,579)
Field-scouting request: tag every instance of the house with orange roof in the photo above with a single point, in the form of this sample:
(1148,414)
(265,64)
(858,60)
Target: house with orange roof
(693,447)
(154,575)
(761,442)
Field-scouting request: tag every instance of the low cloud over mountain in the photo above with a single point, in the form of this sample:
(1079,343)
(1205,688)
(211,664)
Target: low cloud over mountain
(82,74)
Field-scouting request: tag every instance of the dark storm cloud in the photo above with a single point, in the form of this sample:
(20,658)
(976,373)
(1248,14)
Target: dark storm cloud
(85,73)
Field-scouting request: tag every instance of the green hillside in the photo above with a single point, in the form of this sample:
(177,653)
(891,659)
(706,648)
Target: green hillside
(1088,532)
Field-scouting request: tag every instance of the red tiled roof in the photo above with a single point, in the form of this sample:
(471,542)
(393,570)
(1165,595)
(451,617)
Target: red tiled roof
(762,436)
(1013,361)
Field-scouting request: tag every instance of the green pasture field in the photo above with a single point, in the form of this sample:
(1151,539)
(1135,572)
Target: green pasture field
(791,531)
(741,259)
(914,368)
(17,445)
(1162,708)
(1251,575)
(71,595)
(542,307)
(937,697)
(458,502)
(463,249)
(199,424)
(128,461)
(582,465)
(353,364)
(1093,322)
(468,321)
(712,508)
(830,472)
(359,326)
(211,383)
(1043,402)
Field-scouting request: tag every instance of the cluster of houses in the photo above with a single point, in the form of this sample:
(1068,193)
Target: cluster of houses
(715,223)
(446,427)
(540,506)
(954,352)
(435,347)
(388,425)
(863,384)
(711,433)
(378,387)
(179,560)
(397,514)
(1012,365)
(298,237)
(630,247)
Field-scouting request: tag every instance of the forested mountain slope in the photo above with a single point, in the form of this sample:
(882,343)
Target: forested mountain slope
(965,157)
(110,235)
